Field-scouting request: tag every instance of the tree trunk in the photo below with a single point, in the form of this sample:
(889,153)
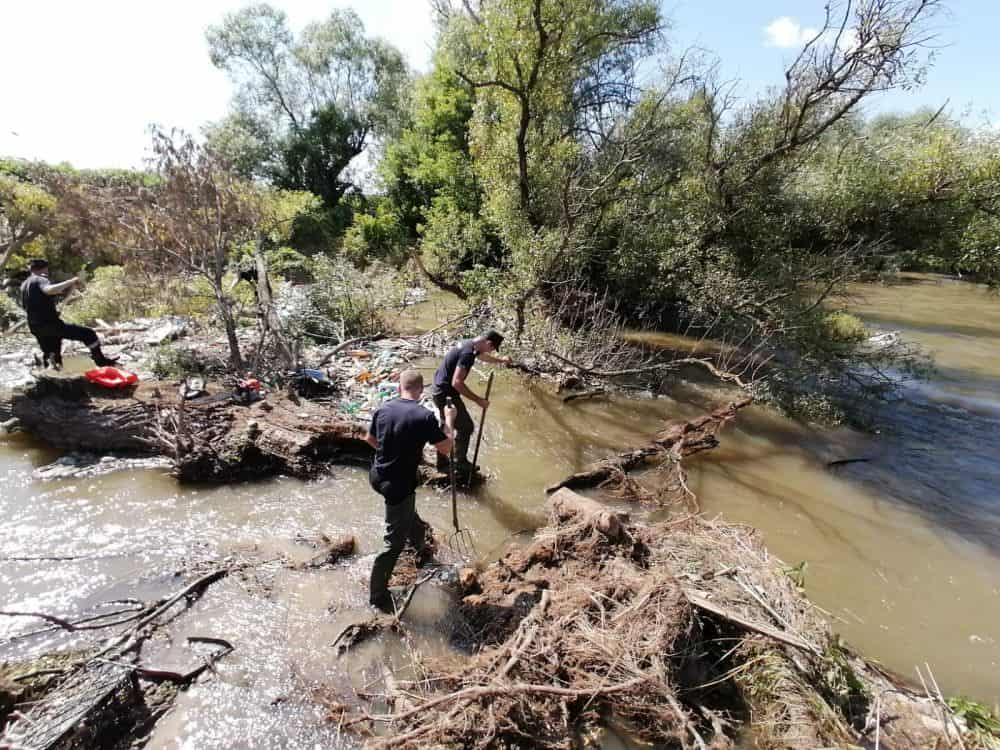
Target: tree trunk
(229,323)
(524,185)
(270,322)
(678,438)
(213,438)
(10,248)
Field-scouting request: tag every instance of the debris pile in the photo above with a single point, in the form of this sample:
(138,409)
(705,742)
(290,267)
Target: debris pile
(683,634)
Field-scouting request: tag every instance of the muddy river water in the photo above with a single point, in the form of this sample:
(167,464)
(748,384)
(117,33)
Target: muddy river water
(902,550)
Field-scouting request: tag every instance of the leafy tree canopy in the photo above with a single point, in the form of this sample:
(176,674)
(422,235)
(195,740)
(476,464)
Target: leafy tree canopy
(305,107)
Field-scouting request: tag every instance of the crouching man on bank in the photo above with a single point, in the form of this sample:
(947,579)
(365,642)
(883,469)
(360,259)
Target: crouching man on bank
(398,433)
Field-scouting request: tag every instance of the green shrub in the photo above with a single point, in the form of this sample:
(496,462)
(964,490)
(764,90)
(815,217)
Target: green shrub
(983,723)
(379,237)
(110,295)
(289,264)
(844,328)
(345,301)
(9,311)
(114,294)
(452,240)
(175,361)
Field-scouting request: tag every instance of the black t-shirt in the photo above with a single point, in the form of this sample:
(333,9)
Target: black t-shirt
(463,355)
(401,427)
(40,307)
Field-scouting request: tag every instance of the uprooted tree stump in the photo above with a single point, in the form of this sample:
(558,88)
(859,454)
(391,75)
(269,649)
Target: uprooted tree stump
(213,438)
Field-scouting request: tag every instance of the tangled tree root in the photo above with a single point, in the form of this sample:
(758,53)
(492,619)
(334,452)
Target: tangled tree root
(683,634)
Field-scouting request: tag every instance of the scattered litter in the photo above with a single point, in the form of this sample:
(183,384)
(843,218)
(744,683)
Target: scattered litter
(881,341)
(192,388)
(170,329)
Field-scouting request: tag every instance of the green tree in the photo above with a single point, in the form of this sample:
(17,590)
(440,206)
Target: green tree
(193,218)
(552,82)
(27,211)
(305,107)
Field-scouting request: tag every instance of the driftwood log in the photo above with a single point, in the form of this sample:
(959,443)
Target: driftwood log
(213,438)
(566,504)
(678,438)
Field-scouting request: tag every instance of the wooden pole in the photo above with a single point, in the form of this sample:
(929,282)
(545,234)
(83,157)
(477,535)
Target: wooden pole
(482,420)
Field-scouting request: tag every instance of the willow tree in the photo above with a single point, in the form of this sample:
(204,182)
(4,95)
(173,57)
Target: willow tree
(552,82)
(305,105)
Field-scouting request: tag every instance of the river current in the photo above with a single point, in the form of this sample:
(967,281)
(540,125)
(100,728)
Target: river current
(903,549)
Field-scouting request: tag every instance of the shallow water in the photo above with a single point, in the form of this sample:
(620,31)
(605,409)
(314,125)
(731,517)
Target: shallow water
(903,550)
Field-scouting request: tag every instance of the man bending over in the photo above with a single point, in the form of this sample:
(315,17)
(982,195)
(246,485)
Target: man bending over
(450,382)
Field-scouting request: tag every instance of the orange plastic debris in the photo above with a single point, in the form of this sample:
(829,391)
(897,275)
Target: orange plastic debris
(111,377)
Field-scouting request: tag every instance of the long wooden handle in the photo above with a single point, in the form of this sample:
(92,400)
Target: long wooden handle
(482,420)
(451,469)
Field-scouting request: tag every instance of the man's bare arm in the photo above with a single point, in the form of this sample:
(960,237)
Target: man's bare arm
(487,357)
(458,383)
(370,439)
(53,289)
(444,447)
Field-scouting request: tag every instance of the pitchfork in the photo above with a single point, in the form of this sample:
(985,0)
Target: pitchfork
(460,542)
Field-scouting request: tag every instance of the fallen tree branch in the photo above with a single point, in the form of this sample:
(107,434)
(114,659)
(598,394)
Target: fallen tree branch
(677,439)
(357,632)
(196,586)
(437,281)
(344,344)
(594,393)
(459,319)
(487,691)
(64,624)
(699,601)
(729,377)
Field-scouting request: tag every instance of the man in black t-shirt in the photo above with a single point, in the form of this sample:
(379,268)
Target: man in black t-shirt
(398,433)
(449,381)
(38,300)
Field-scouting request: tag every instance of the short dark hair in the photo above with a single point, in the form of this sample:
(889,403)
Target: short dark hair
(494,337)
(37,264)
(411,379)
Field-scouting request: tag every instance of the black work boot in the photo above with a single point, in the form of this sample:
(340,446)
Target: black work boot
(54,360)
(100,359)
(383,603)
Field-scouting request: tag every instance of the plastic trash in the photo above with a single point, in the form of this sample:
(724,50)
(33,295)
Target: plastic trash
(111,377)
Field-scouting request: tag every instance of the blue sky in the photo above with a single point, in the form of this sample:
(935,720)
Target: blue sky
(82,81)
(964,72)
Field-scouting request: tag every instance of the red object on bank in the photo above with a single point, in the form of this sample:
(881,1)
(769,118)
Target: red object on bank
(111,377)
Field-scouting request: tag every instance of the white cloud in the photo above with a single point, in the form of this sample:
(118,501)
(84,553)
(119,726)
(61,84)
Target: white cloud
(787,32)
